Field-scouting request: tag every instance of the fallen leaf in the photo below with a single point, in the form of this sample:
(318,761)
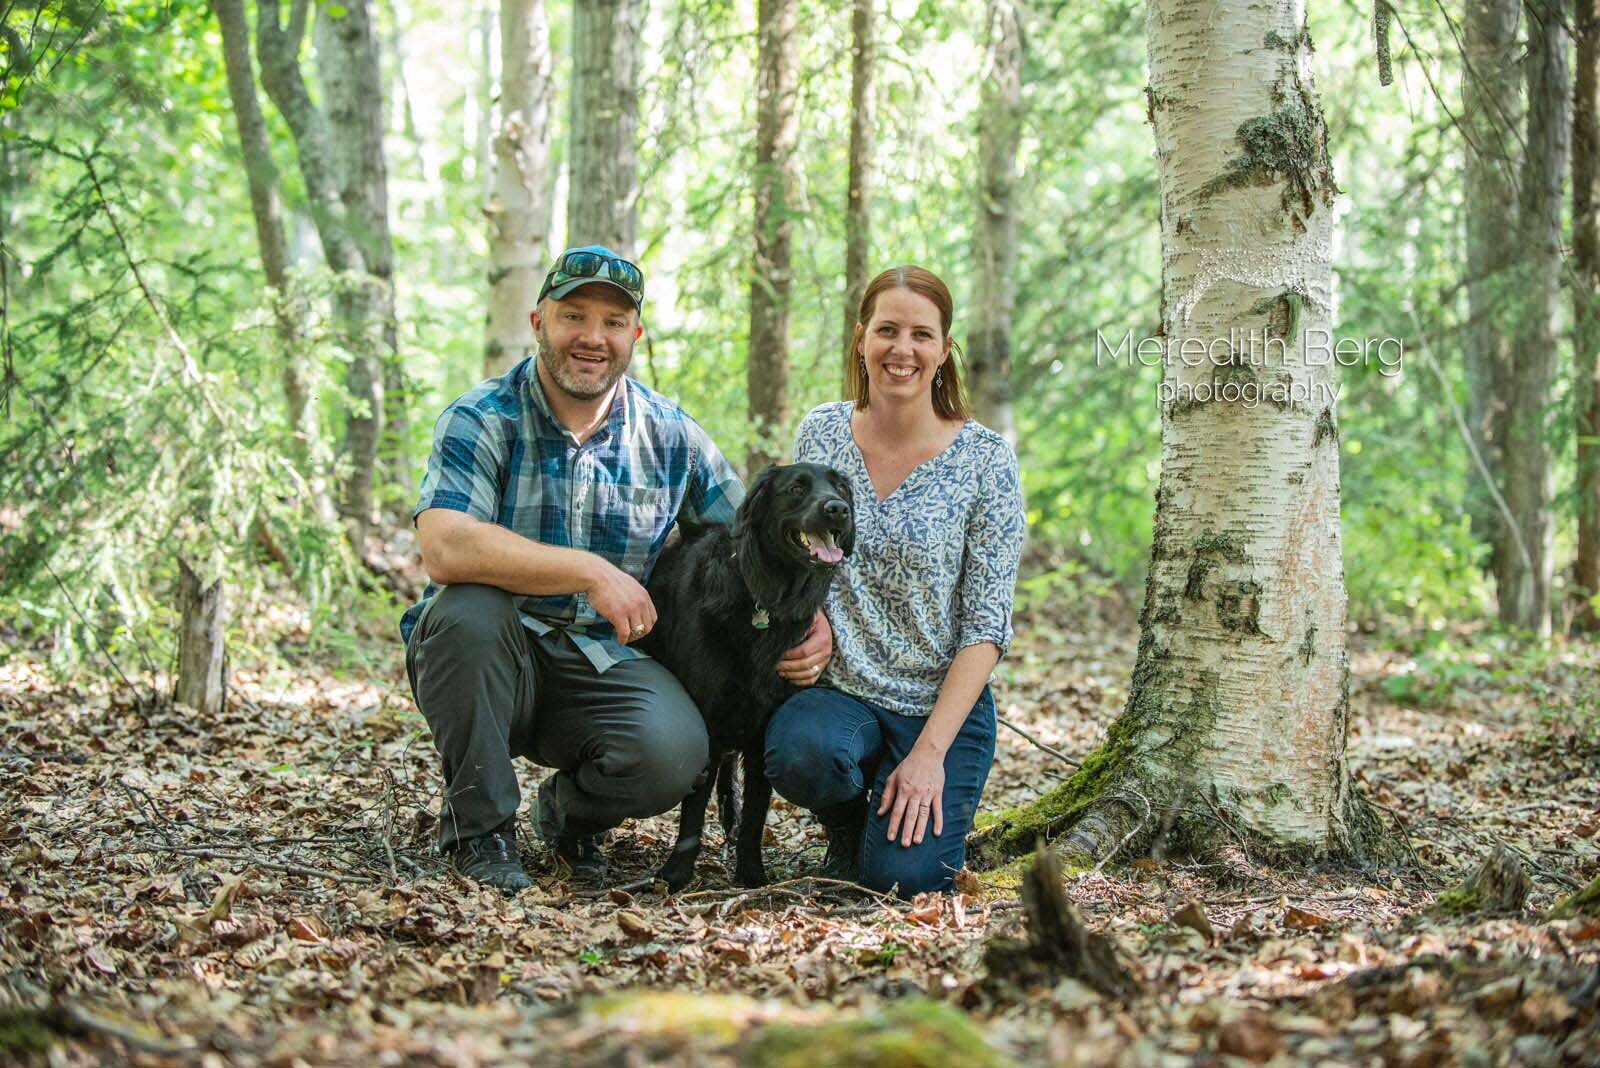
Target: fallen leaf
(635,926)
(1250,1036)
(1303,919)
(1193,917)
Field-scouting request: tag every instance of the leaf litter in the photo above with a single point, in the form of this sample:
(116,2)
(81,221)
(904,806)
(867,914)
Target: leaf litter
(262,889)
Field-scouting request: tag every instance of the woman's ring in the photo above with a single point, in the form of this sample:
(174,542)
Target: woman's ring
(816,669)
(638,631)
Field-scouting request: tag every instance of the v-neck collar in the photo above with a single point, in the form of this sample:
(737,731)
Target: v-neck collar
(861,459)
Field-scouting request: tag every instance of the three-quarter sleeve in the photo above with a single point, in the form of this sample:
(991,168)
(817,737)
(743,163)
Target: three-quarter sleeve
(466,466)
(993,551)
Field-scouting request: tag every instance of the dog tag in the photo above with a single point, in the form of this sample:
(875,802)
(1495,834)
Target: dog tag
(760,619)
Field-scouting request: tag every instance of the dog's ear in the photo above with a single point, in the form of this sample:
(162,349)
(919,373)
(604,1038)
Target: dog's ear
(841,483)
(755,502)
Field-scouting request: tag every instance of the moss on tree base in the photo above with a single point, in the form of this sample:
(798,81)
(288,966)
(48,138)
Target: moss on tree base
(1499,885)
(1580,902)
(915,1033)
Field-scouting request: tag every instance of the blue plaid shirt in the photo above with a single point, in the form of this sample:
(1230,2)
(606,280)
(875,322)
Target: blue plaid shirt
(500,456)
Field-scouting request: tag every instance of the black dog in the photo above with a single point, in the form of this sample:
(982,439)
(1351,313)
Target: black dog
(730,601)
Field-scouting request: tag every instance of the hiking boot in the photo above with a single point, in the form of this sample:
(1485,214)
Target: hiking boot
(844,825)
(579,852)
(492,860)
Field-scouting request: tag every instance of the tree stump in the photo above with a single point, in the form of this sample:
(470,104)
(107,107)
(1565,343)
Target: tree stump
(202,652)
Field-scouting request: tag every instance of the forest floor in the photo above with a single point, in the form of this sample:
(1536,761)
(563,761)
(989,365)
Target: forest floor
(261,889)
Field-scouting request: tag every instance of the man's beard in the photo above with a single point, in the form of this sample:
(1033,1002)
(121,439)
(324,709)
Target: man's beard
(572,386)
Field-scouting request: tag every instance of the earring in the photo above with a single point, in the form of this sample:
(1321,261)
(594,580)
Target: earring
(938,377)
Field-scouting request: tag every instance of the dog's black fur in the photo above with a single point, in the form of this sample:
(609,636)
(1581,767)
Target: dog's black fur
(709,590)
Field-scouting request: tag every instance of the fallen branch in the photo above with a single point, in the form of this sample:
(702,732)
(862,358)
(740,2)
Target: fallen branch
(271,865)
(1058,754)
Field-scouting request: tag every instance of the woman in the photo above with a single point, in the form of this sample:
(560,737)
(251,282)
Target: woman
(921,611)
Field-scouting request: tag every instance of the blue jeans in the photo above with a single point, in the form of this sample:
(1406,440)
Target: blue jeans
(825,747)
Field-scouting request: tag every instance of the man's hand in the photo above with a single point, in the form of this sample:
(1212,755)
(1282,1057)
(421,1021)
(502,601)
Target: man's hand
(804,663)
(618,597)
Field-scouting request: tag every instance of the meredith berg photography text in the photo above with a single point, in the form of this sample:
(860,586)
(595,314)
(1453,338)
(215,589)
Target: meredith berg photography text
(1240,349)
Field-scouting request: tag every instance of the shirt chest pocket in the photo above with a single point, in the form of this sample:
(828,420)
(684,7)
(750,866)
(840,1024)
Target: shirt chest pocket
(637,514)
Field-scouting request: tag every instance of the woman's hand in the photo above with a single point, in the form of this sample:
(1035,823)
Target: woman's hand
(914,791)
(803,664)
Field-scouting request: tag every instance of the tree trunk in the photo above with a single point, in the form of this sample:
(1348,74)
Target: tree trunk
(1490,116)
(278,48)
(1526,554)
(1237,715)
(262,176)
(605,115)
(347,54)
(772,274)
(202,653)
(519,207)
(995,235)
(1586,306)
(858,203)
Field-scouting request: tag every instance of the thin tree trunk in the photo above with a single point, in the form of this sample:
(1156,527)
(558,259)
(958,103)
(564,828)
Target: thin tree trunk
(858,205)
(1490,116)
(1237,716)
(1526,553)
(995,235)
(1586,306)
(202,652)
(519,206)
(278,49)
(265,205)
(605,116)
(774,184)
(348,63)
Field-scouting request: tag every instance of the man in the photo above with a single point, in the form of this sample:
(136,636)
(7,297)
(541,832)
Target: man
(548,497)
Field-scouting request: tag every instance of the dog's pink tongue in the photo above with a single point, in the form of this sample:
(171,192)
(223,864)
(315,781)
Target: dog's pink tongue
(826,551)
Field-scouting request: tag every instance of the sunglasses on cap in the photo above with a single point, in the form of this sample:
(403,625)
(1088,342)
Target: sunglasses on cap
(580,265)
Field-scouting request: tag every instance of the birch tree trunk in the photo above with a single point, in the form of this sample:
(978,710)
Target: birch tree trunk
(1490,115)
(858,202)
(267,208)
(995,235)
(1526,555)
(603,184)
(772,273)
(347,54)
(1237,715)
(519,207)
(1586,305)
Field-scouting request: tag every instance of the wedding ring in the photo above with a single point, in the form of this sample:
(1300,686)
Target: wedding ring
(816,669)
(638,630)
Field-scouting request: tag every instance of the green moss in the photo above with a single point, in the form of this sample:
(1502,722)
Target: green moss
(1005,882)
(674,1013)
(1457,901)
(1239,606)
(1288,145)
(1224,545)
(23,1032)
(914,1033)
(1585,901)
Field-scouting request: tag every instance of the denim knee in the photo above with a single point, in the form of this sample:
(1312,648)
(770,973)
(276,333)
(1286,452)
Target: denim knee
(811,767)
(912,869)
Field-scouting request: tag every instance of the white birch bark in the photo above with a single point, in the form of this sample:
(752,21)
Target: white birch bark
(519,206)
(1240,696)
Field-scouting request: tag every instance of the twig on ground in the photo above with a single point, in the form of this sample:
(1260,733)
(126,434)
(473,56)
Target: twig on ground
(272,865)
(1137,827)
(1405,838)
(1058,754)
(146,804)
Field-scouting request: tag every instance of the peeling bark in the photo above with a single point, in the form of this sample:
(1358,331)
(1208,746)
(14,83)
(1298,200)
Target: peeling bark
(858,204)
(1526,554)
(518,208)
(772,274)
(605,117)
(1586,307)
(1000,111)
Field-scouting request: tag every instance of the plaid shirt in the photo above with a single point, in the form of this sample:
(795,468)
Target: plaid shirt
(500,456)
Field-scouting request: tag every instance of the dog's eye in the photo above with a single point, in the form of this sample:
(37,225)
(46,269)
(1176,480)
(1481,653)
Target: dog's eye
(797,490)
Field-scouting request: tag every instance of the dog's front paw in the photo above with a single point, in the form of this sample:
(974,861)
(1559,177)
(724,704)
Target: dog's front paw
(750,873)
(677,871)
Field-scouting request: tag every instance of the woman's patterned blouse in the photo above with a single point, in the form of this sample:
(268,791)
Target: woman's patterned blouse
(934,566)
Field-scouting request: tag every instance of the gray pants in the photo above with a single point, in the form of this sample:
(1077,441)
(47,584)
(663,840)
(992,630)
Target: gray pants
(626,743)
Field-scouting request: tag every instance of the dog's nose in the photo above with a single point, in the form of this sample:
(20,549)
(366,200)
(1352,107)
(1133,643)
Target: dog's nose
(836,509)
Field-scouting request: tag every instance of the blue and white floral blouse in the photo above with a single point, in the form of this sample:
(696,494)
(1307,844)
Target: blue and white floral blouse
(934,566)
